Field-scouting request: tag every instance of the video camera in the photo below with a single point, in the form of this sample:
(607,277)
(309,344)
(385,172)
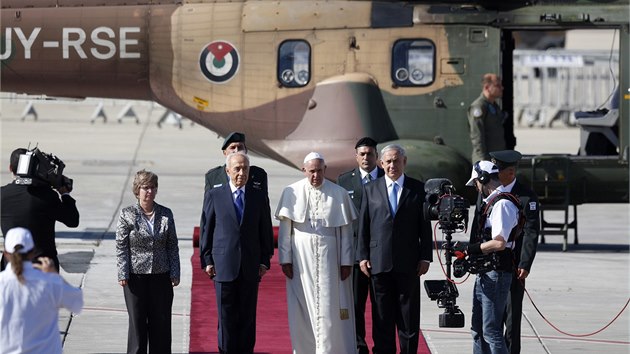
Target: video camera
(449,209)
(37,167)
(451,212)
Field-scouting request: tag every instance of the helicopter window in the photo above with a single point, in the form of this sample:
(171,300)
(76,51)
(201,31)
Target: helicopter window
(294,63)
(413,62)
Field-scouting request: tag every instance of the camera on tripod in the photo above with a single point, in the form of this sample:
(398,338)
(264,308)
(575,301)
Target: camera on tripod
(451,212)
(37,167)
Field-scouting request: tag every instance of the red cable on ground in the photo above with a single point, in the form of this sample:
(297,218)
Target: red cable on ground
(571,334)
(437,251)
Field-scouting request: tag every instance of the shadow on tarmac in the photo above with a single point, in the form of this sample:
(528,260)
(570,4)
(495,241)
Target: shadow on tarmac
(76,262)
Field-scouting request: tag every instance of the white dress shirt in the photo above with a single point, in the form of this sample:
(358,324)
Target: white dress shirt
(400,181)
(373,174)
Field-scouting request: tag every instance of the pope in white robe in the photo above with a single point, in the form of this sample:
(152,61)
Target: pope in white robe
(315,246)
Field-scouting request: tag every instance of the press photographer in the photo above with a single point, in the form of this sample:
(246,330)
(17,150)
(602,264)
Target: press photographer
(38,197)
(491,246)
(451,212)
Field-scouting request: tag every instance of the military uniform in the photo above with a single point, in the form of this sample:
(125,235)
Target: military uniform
(524,253)
(353,182)
(486,128)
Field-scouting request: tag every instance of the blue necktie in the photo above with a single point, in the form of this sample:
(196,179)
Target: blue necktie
(393,198)
(238,203)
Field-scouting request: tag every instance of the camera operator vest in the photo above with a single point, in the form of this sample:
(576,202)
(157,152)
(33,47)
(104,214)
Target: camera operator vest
(505,257)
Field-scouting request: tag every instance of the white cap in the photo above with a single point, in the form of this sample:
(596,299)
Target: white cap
(18,236)
(313,156)
(478,168)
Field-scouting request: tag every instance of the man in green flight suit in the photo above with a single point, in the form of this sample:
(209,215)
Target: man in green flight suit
(485,119)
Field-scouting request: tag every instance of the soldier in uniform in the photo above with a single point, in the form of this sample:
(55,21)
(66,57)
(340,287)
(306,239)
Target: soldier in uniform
(525,248)
(353,181)
(485,119)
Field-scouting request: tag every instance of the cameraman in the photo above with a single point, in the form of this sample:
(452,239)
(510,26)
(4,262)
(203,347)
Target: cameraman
(36,206)
(493,240)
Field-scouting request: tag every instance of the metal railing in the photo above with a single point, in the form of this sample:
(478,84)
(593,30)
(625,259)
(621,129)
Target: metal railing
(553,84)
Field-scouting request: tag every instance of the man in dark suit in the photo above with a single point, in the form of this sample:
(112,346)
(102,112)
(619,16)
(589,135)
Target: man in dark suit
(394,250)
(525,249)
(216,177)
(353,181)
(236,246)
(35,206)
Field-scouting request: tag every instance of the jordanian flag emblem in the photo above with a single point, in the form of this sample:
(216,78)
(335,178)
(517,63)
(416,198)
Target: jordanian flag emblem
(219,61)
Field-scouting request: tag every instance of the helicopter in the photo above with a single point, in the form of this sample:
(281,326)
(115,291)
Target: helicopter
(295,75)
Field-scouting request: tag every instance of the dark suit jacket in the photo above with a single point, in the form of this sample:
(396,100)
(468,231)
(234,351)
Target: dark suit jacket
(217,177)
(352,182)
(37,208)
(394,244)
(232,247)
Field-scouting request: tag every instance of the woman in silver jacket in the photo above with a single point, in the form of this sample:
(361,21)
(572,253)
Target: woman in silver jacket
(148,267)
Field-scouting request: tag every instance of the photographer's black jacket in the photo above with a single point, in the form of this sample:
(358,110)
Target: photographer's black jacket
(37,208)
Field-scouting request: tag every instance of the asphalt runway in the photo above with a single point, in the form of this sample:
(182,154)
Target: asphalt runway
(578,291)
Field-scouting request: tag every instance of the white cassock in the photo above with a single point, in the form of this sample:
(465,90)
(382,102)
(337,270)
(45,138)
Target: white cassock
(315,236)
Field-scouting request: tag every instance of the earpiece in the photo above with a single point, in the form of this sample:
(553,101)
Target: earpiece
(483,176)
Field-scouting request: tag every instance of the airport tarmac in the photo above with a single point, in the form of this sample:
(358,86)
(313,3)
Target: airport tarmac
(578,291)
